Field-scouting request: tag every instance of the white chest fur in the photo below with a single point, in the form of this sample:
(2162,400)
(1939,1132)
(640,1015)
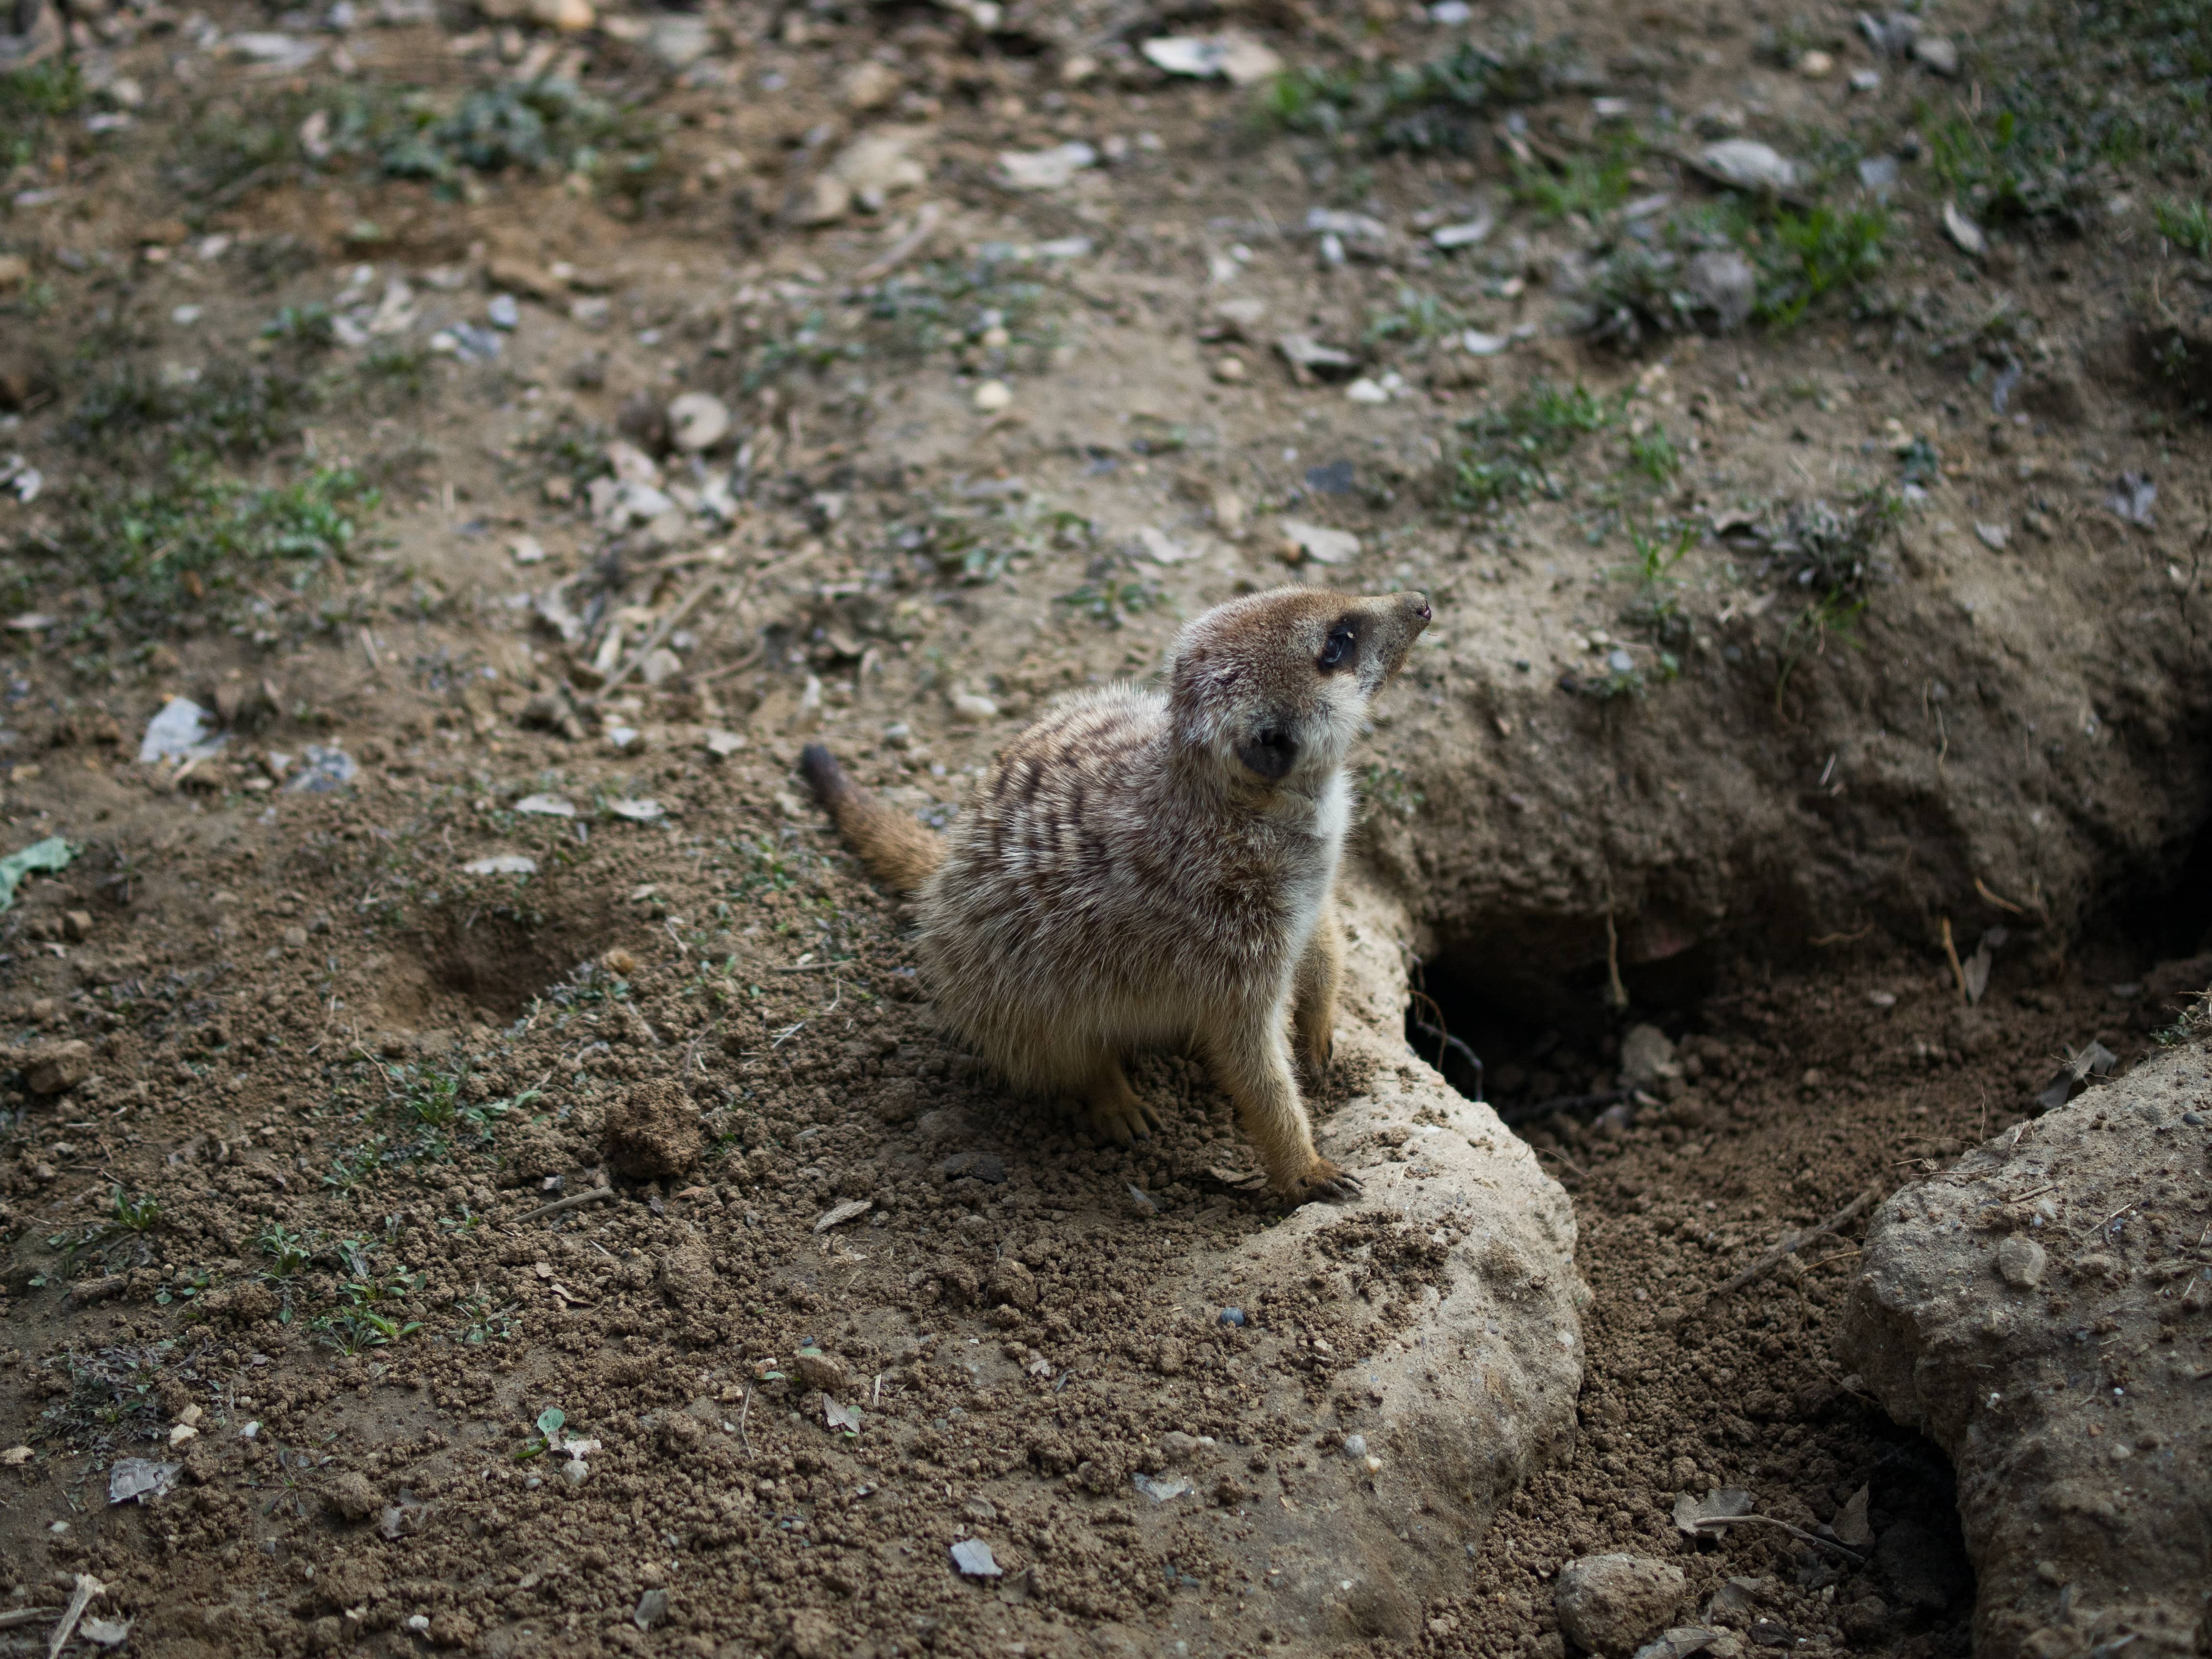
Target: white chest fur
(1315,873)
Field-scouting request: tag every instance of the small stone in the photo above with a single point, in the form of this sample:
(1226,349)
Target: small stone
(1969,236)
(1992,536)
(992,396)
(2021,1261)
(816,1370)
(1319,543)
(697,421)
(1647,1057)
(652,1608)
(973,706)
(452,1629)
(972,1556)
(869,85)
(503,313)
(1749,164)
(1939,52)
(1232,1315)
(1230,371)
(1611,1605)
(1816,65)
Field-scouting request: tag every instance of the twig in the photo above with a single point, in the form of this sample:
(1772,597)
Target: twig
(661,630)
(16,1616)
(924,226)
(1615,989)
(1812,1538)
(1957,972)
(812,966)
(744,1438)
(87,1587)
(562,1206)
(1546,1152)
(1791,1244)
(2002,904)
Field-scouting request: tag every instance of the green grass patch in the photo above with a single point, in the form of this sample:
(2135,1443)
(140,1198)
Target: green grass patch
(2187,226)
(1437,106)
(142,542)
(1509,454)
(31,101)
(1591,183)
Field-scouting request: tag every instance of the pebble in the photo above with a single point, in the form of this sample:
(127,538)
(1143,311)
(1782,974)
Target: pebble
(1964,231)
(503,312)
(2020,1262)
(992,396)
(1611,1605)
(1232,1315)
(972,1556)
(697,421)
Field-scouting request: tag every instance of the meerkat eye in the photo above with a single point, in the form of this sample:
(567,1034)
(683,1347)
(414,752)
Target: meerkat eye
(1336,648)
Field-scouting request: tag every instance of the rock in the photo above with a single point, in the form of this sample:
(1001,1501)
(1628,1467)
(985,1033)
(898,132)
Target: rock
(1749,164)
(869,85)
(2080,1468)
(1045,169)
(819,1371)
(2021,1261)
(54,1068)
(1969,236)
(1613,1604)
(1308,357)
(991,395)
(697,421)
(1647,1058)
(876,166)
(1237,59)
(1723,282)
(1939,52)
(1301,540)
(652,1132)
(350,1497)
(972,1556)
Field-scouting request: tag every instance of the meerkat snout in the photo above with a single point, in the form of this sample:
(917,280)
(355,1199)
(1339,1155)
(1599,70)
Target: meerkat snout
(1146,869)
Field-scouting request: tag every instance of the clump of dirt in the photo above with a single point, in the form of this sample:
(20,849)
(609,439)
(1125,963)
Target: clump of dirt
(652,1132)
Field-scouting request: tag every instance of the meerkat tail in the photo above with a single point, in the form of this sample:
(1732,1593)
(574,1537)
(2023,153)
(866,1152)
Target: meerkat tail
(896,849)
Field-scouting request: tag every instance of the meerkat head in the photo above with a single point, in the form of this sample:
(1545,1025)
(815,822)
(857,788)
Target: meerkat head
(1274,687)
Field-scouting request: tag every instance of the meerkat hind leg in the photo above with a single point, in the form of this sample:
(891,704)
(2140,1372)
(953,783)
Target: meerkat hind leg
(1253,1065)
(1313,1003)
(1117,1112)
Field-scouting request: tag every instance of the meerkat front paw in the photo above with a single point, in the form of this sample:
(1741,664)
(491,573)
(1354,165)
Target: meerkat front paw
(1330,1183)
(1124,1120)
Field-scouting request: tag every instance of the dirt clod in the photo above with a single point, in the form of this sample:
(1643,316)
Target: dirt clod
(54,1068)
(652,1132)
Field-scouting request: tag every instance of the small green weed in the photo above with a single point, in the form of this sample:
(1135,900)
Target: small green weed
(1418,317)
(1804,257)
(234,410)
(551,1422)
(134,1215)
(1509,451)
(1651,452)
(288,1252)
(1390,789)
(141,541)
(1591,183)
(306,328)
(1110,597)
(1392,107)
(358,1330)
(30,100)
(2187,226)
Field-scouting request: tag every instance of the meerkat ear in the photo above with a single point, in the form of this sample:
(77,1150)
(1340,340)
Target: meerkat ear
(1270,754)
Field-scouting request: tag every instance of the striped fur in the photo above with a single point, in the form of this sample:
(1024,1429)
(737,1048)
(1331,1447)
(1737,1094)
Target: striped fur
(1144,868)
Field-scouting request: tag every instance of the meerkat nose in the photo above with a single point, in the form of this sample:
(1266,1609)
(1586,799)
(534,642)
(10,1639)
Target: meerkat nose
(1419,605)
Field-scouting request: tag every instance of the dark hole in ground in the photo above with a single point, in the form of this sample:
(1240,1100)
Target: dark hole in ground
(497,964)
(1521,1044)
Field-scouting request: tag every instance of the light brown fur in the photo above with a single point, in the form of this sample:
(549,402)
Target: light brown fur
(1146,869)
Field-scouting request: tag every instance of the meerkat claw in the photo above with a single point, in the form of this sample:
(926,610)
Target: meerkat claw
(1328,1183)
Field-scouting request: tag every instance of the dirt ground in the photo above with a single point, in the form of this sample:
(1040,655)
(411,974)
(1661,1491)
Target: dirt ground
(344,348)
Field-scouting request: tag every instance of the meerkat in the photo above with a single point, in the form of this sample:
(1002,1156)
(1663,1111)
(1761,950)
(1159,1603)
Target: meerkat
(1145,868)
